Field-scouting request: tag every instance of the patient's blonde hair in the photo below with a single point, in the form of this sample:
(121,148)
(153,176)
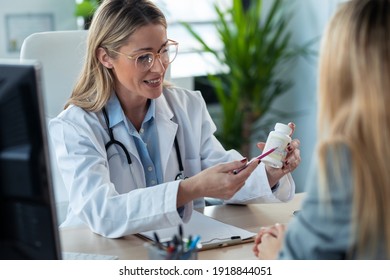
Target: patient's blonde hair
(112,25)
(354,98)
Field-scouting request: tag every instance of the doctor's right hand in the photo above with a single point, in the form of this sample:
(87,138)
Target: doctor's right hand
(218,181)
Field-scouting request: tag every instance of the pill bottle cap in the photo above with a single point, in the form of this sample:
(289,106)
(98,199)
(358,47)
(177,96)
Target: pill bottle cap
(283,128)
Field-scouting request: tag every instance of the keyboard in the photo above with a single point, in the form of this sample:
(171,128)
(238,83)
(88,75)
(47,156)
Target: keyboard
(85,256)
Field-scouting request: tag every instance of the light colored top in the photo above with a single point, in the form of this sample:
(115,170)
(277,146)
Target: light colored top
(322,228)
(111,197)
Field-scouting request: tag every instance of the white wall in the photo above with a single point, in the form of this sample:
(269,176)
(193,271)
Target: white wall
(62,10)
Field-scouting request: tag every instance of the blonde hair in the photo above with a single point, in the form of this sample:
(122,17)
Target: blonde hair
(354,95)
(112,25)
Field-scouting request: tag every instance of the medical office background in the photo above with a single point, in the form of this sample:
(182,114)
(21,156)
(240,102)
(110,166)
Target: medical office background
(19,18)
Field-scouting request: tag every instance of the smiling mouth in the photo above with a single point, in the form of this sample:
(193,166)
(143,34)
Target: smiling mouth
(153,82)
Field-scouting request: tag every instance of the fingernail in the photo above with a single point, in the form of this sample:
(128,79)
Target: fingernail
(244,160)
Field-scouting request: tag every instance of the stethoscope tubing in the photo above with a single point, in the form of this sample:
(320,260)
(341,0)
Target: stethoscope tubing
(113,141)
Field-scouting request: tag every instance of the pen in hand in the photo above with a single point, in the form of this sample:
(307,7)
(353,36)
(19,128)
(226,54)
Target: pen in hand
(236,171)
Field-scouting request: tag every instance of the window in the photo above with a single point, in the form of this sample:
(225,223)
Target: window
(201,15)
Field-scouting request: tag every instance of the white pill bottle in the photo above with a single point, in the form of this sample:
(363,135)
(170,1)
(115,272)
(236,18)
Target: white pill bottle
(280,138)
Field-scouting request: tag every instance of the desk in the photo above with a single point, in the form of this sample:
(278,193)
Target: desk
(250,217)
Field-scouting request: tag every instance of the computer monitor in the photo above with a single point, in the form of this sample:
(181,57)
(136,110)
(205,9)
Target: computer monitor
(28,225)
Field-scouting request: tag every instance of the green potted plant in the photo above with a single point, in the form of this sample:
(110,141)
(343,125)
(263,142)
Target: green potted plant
(255,51)
(85,9)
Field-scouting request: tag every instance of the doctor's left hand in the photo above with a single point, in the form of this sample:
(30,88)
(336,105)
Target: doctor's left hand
(218,182)
(290,163)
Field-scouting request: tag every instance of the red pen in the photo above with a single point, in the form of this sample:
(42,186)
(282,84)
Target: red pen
(236,171)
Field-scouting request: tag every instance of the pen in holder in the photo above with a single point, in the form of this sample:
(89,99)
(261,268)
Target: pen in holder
(179,248)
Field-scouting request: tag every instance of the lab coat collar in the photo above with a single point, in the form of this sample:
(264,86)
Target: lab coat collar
(166,128)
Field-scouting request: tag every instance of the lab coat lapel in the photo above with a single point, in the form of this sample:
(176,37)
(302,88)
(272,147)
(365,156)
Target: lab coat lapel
(166,129)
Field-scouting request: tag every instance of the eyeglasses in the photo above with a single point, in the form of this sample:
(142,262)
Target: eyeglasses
(145,61)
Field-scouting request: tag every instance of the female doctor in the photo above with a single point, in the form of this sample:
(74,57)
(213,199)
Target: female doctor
(126,141)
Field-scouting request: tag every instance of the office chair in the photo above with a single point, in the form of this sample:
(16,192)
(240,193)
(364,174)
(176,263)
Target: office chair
(61,55)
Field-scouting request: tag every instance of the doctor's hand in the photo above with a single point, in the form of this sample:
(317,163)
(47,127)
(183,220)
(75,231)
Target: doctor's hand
(218,182)
(290,163)
(268,242)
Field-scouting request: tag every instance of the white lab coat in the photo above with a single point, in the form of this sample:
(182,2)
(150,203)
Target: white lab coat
(110,196)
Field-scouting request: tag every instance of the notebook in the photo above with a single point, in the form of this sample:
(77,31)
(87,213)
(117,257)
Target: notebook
(213,233)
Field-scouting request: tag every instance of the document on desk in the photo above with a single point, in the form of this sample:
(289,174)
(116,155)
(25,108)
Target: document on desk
(213,233)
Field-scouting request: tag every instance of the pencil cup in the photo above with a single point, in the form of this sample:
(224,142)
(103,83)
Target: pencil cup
(163,253)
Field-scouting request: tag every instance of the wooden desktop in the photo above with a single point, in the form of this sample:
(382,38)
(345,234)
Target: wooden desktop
(250,217)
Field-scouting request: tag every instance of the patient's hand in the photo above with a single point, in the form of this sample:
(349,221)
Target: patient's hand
(268,242)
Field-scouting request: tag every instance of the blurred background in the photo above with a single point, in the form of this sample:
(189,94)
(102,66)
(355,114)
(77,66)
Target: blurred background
(305,22)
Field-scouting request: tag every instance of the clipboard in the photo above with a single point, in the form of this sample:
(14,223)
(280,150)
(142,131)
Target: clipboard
(213,233)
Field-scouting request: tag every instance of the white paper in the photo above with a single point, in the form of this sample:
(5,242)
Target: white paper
(213,233)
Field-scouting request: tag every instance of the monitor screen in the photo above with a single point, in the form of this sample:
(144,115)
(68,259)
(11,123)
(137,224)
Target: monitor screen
(28,225)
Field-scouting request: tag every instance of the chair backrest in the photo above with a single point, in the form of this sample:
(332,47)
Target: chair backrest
(61,54)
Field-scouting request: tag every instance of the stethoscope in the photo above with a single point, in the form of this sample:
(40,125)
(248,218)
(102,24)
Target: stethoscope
(113,141)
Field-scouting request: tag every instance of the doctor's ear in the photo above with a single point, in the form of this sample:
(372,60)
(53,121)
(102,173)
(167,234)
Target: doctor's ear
(104,58)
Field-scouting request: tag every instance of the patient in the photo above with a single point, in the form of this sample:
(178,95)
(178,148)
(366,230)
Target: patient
(346,213)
